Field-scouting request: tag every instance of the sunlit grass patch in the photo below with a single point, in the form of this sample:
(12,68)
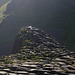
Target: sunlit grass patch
(2,10)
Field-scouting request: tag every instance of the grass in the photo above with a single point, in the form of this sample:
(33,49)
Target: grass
(2,10)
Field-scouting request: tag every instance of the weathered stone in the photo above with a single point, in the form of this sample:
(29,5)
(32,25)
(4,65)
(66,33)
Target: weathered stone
(31,74)
(21,72)
(71,74)
(71,67)
(59,72)
(29,66)
(14,67)
(7,70)
(70,71)
(48,68)
(61,63)
(45,73)
(3,73)
(1,67)
(12,74)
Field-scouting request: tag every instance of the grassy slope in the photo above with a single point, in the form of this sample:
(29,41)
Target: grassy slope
(2,10)
(2,2)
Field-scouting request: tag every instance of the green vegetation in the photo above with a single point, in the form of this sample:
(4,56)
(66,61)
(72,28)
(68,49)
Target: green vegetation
(6,60)
(2,10)
(24,47)
(2,2)
(28,41)
(22,29)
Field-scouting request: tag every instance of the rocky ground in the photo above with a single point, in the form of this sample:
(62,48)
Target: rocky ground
(37,53)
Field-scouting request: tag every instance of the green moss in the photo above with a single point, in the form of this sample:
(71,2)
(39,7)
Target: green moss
(60,48)
(2,10)
(7,60)
(24,46)
(21,36)
(28,41)
(23,29)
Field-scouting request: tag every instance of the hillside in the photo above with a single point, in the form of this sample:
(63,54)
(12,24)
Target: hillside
(2,2)
(37,53)
(54,16)
(2,10)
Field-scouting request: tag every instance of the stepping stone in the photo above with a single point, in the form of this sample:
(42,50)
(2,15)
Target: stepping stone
(12,74)
(67,57)
(21,72)
(58,59)
(71,74)
(3,73)
(70,71)
(48,65)
(61,63)
(59,72)
(45,73)
(22,69)
(31,63)
(52,63)
(48,68)
(29,66)
(33,70)
(14,67)
(71,67)
(1,67)
(6,70)
(38,72)
(31,74)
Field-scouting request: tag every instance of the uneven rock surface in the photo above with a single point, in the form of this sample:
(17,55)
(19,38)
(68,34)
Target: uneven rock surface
(37,53)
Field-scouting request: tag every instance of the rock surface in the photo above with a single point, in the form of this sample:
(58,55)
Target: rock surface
(37,53)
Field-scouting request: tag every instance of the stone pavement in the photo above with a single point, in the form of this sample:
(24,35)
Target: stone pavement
(37,53)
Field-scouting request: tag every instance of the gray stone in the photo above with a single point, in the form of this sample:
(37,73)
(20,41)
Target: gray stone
(12,74)
(61,63)
(71,67)
(21,72)
(7,70)
(3,73)
(31,74)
